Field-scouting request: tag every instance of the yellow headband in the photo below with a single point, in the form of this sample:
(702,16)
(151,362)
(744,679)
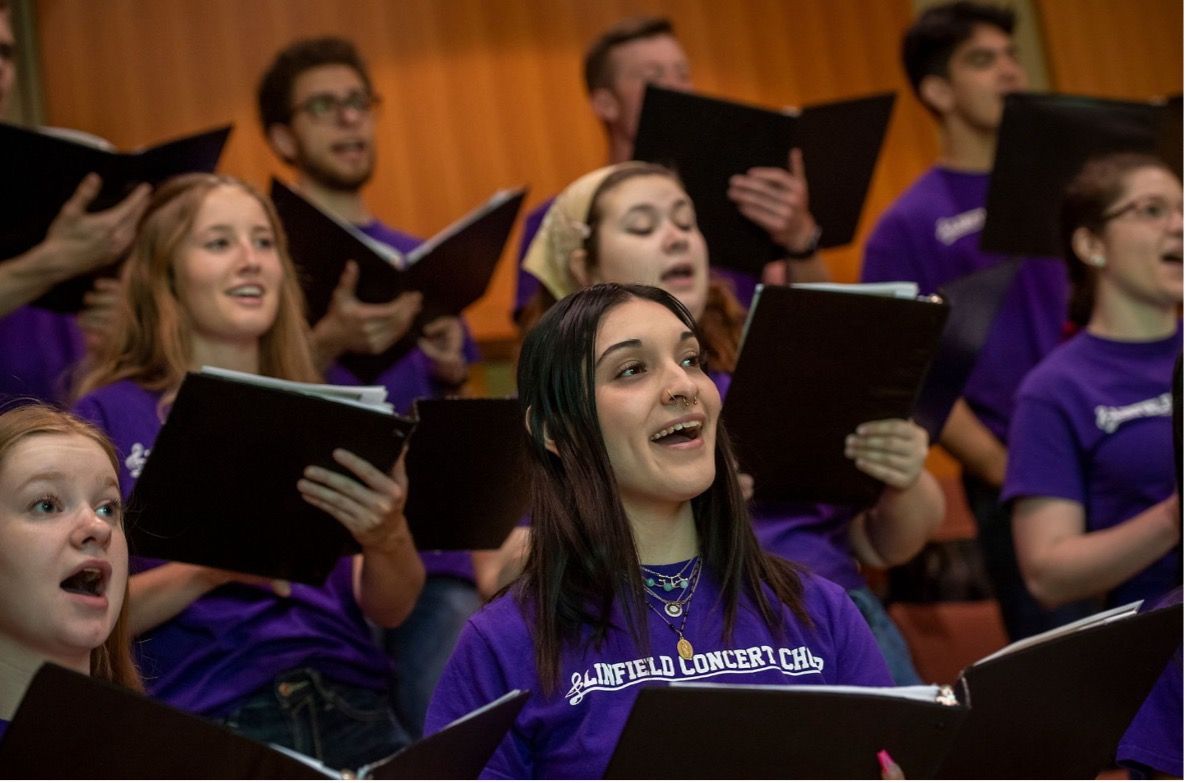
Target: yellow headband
(564,230)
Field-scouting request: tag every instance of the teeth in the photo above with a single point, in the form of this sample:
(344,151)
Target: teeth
(247,290)
(688,425)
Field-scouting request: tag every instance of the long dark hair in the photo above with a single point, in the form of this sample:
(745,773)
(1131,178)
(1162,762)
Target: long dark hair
(583,557)
(1086,199)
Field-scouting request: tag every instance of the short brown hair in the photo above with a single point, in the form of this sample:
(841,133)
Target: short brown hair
(597,66)
(274,97)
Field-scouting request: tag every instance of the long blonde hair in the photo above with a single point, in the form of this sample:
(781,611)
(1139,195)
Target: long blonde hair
(112,660)
(151,340)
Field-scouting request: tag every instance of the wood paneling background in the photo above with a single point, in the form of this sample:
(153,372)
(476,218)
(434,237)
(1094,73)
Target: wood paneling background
(1130,49)
(484,94)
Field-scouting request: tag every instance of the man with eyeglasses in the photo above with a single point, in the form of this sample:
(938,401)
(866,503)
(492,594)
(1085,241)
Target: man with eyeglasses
(961,60)
(317,106)
(38,347)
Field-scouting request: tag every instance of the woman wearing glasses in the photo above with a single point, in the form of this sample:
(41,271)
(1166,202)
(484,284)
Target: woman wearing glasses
(1091,470)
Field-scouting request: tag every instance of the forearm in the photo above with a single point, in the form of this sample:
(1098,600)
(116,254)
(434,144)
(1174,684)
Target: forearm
(160,594)
(899,524)
(30,275)
(1078,566)
(496,568)
(388,578)
(974,446)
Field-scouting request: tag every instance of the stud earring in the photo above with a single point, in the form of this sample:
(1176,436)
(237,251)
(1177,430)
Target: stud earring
(1097,260)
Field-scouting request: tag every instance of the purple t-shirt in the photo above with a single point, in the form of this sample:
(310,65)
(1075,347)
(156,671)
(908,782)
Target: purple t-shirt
(572,732)
(3,727)
(741,283)
(237,638)
(38,349)
(1093,425)
(815,535)
(408,380)
(1155,738)
(930,235)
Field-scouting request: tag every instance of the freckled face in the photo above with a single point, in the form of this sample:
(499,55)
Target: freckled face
(648,368)
(63,555)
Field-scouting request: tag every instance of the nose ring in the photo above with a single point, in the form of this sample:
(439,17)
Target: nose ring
(686,402)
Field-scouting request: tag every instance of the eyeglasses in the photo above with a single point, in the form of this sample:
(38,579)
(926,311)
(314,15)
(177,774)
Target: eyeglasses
(1148,210)
(324,106)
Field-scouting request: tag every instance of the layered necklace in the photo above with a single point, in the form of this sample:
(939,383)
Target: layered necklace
(679,589)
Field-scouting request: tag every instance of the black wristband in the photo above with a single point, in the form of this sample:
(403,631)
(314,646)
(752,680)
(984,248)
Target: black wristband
(809,250)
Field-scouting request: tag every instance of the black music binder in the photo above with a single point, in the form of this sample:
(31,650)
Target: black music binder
(1043,141)
(220,484)
(1051,706)
(708,140)
(43,169)
(70,726)
(452,269)
(815,364)
(467,473)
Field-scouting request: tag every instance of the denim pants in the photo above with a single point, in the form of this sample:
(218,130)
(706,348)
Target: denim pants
(887,636)
(1022,615)
(342,726)
(421,645)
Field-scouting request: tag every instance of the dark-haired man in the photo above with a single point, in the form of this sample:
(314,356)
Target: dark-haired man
(961,60)
(317,106)
(618,66)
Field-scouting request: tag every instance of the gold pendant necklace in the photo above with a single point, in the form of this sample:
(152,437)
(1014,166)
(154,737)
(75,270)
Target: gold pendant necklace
(684,646)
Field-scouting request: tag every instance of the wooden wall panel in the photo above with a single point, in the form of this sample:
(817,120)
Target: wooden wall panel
(1131,49)
(479,94)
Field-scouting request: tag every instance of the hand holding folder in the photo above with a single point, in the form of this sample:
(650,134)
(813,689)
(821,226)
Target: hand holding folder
(43,171)
(709,140)
(814,364)
(220,484)
(1052,706)
(451,270)
(70,726)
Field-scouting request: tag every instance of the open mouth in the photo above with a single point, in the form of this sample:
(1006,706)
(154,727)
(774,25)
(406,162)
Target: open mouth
(247,292)
(1175,257)
(90,581)
(680,273)
(677,433)
(353,147)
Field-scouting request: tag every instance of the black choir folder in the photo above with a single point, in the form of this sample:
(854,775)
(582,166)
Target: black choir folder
(467,462)
(1051,706)
(43,169)
(452,269)
(70,726)
(220,484)
(814,364)
(1043,141)
(708,140)
(974,301)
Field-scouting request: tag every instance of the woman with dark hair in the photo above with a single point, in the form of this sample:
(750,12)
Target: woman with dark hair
(634,223)
(209,282)
(63,555)
(643,567)
(1091,470)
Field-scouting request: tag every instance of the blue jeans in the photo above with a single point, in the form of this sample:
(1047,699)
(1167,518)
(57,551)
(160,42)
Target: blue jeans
(342,726)
(1022,615)
(887,636)
(421,645)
